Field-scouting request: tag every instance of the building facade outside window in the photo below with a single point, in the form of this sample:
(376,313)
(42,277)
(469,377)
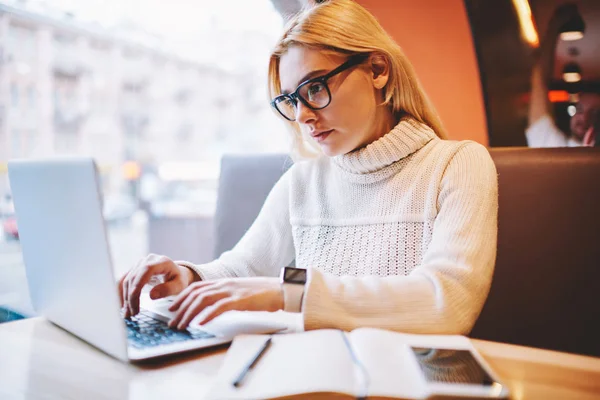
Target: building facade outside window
(142,90)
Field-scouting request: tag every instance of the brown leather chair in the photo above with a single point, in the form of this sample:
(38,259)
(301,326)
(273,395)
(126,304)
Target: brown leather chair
(546,287)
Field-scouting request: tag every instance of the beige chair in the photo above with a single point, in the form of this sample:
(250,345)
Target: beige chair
(244,184)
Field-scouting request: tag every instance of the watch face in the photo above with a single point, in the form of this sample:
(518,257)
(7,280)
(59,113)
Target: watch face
(294,275)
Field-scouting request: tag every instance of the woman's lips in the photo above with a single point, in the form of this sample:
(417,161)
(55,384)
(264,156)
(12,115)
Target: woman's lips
(319,137)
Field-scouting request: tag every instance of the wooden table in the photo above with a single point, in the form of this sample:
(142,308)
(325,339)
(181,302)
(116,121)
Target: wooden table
(40,361)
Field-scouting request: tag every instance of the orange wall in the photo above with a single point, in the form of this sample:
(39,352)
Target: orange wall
(436,37)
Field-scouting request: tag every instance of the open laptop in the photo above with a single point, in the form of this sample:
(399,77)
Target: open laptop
(70,274)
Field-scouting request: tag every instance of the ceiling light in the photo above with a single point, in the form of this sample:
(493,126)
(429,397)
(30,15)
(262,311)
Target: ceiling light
(572,73)
(526,21)
(573,29)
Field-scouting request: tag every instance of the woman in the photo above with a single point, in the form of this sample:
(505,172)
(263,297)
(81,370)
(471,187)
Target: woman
(396,227)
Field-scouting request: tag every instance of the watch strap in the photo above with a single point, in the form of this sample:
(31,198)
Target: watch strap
(292,297)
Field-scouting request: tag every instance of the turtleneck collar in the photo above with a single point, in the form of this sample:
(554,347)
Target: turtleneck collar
(404,139)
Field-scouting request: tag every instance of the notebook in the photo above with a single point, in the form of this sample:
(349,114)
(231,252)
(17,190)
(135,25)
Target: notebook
(363,363)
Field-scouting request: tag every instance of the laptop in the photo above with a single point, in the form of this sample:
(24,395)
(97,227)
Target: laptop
(58,203)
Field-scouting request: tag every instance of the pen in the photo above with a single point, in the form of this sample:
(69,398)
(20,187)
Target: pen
(252,363)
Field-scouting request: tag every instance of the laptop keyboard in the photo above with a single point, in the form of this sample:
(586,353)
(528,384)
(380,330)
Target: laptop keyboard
(144,331)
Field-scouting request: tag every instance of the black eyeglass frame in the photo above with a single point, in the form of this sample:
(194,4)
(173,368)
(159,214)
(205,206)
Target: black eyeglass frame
(295,95)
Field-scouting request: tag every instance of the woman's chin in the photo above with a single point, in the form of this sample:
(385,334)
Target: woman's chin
(331,147)
(330,151)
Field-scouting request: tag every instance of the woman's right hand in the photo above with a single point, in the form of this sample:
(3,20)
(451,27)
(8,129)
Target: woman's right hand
(176,278)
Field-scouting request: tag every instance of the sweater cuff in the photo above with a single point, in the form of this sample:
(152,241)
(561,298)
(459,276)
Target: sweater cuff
(311,299)
(192,267)
(206,272)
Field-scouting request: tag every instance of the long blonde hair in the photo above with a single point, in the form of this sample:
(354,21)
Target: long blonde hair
(345,27)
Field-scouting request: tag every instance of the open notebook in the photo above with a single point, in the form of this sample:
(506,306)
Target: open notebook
(330,363)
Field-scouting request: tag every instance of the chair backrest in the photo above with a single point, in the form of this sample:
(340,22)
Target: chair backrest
(244,184)
(546,286)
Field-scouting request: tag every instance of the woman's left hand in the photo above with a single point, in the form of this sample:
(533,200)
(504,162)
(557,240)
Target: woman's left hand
(213,298)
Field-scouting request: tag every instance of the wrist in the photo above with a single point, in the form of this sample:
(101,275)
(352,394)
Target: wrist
(280,305)
(189,274)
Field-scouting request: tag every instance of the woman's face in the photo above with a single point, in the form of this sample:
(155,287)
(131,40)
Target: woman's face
(349,121)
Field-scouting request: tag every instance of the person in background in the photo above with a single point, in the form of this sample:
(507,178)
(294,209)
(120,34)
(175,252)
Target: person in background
(542,130)
(592,136)
(390,225)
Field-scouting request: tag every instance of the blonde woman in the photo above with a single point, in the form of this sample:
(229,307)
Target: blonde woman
(390,225)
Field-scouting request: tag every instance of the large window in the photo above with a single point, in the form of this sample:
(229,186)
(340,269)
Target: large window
(156,92)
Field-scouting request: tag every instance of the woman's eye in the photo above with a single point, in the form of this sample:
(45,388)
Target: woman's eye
(287,103)
(315,88)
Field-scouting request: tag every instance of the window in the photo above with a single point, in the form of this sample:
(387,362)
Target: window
(138,89)
(14,95)
(31,97)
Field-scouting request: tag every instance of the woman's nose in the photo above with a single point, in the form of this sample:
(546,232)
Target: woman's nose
(304,113)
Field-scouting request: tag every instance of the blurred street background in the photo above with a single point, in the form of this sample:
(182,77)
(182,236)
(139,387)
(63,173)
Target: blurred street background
(156,92)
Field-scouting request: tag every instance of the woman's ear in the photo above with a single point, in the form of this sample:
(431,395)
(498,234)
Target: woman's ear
(380,69)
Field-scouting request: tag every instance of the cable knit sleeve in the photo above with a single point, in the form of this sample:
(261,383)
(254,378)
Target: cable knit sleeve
(446,293)
(264,249)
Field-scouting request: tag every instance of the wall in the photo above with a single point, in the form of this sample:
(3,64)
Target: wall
(436,37)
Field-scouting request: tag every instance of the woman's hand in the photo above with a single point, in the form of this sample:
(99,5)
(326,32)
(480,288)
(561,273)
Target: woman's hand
(176,278)
(212,298)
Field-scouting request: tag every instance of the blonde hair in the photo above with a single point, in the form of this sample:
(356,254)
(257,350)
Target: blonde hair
(345,27)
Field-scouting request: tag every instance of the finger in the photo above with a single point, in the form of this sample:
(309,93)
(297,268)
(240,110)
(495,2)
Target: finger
(120,287)
(126,284)
(166,289)
(199,305)
(127,313)
(154,265)
(188,303)
(136,285)
(221,306)
(189,300)
(185,293)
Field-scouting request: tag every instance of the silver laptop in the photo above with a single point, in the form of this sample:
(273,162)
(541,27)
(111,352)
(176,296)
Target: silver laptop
(70,274)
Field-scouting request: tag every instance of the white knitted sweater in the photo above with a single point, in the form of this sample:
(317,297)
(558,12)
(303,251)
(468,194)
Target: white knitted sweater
(398,235)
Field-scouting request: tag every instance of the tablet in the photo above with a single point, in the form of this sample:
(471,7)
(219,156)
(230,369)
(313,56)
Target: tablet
(458,373)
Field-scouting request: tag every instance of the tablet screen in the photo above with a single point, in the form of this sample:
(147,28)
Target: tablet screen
(451,366)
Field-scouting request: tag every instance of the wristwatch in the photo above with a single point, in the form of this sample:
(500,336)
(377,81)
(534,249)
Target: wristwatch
(293,281)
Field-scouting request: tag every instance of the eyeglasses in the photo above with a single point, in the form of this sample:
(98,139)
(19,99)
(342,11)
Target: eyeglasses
(313,93)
